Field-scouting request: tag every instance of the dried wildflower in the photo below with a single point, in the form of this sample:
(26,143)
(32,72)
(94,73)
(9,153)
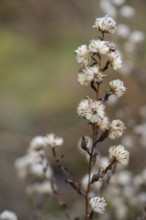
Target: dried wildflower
(83,78)
(91,110)
(83,108)
(119,154)
(53,140)
(105,24)
(8,215)
(117,87)
(115,60)
(98,204)
(94,74)
(82,55)
(99,46)
(116,129)
(89,74)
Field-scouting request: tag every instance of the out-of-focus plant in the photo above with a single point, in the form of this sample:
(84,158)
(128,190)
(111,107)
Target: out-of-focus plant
(128,39)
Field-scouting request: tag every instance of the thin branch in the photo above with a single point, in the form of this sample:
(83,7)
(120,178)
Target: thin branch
(94,128)
(105,67)
(93,86)
(106,97)
(102,173)
(73,183)
(102,137)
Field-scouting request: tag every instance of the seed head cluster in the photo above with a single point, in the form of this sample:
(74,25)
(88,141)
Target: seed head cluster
(94,60)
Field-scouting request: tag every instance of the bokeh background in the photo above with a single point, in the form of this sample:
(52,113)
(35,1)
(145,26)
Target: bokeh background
(39,91)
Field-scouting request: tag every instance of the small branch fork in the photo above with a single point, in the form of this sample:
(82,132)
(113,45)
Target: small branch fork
(102,173)
(74,184)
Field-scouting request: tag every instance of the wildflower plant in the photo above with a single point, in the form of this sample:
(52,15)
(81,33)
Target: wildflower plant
(94,60)
(93,73)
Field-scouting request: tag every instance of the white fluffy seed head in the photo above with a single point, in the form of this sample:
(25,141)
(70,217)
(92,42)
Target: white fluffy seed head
(89,74)
(99,46)
(115,60)
(98,204)
(105,24)
(94,74)
(83,78)
(83,55)
(91,110)
(8,215)
(120,154)
(117,87)
(116,129)
(53,140)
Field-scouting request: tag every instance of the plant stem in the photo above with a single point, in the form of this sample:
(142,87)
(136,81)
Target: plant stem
(89,171)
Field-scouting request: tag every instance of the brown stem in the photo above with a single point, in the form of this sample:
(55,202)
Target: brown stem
(93,86)
(101,174)
(103,35)
(97,91)
(94,128)
(73,183)
(105,67)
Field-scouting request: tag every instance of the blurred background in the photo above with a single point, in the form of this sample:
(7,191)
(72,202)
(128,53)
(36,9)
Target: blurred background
(39,90)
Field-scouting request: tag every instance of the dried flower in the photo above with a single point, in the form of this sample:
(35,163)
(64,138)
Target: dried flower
(53,140)
(91,110)
(83,55)
(83,78)
(119,154)
(8,215)
(94,74)
(98,204)
(105,24)
(89,74)
(115,60)
(116,130)
(117,87)
(99,46)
